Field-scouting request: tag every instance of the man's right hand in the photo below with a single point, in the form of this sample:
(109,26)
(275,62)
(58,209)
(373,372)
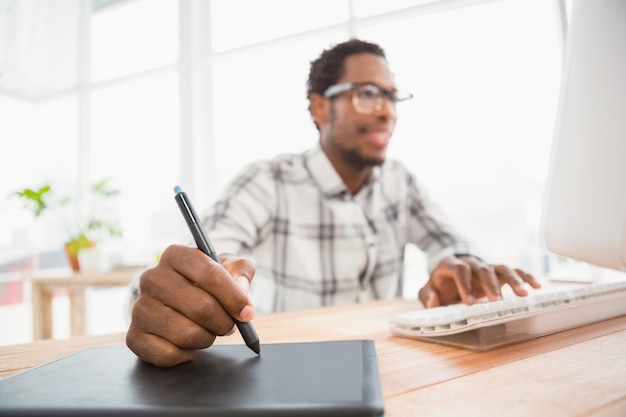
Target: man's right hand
(185,302)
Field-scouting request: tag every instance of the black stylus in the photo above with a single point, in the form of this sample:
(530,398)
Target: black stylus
(204,244)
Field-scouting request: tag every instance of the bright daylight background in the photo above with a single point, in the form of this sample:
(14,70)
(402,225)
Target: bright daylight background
(155,93)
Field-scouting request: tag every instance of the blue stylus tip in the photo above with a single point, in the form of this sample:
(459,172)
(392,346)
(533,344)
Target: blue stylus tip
(177,189)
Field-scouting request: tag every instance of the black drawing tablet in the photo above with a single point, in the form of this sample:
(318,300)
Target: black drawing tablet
(338,378)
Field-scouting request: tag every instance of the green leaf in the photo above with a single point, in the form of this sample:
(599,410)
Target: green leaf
(34,200)
(39,200)
(101,187)
(78,243)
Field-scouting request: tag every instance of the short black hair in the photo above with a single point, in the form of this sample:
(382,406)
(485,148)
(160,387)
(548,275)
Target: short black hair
(328,68)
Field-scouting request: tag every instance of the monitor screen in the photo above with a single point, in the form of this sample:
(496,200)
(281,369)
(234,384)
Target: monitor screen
(584,212)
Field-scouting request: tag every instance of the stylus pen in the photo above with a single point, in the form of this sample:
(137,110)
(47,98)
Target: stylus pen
(204,244)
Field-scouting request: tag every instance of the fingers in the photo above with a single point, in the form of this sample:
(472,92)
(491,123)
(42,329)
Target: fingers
(528,278)
(508,276)
(468,278)
(516,279)
(173,298)
(449,282)
(156,350)
(241,269)
(492,278)
(462,276)
(162,336)
(485,279)
(200,270)
(185,302)
(429,297)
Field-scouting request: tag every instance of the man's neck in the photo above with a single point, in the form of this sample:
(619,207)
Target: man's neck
(355,180)
(354,176)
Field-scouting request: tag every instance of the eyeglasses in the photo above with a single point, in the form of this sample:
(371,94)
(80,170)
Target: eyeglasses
(367,98)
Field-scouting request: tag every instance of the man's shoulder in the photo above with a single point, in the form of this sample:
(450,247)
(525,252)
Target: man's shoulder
(285,166)
(280,161)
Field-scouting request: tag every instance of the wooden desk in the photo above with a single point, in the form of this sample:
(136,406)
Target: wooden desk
(579,372)
(43,289)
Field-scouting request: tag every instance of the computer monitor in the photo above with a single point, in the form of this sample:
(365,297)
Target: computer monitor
(584,212)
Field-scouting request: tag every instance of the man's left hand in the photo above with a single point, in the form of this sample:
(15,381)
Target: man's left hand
(467,279)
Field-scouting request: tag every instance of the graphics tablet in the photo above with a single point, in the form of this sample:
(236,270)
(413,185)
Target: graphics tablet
(338,378)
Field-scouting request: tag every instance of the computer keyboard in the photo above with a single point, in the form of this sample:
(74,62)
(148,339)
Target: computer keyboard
(491,324)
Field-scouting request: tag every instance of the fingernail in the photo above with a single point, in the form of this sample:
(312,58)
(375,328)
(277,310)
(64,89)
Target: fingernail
(247,313)
(430,303)
(243,283)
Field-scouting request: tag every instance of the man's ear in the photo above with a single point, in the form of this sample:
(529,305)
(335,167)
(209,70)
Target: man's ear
(319,109)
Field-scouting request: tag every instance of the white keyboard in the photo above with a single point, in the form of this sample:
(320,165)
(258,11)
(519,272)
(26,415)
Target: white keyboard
(485,325)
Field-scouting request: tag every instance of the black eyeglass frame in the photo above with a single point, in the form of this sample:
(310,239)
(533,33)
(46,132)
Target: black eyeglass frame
(391,95)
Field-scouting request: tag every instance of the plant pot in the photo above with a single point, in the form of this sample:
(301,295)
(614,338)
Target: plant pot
(72,258)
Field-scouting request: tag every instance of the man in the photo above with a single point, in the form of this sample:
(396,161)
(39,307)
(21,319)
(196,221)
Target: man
(325,227)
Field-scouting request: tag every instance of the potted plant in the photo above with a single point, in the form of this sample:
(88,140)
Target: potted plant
(80,234)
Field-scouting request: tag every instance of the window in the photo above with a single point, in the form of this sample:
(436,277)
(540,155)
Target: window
(148,115)
(485,85)
(33,132)
(121,123)
(133,36)
(239,23)
(479,130)
(135,142)
(367,8)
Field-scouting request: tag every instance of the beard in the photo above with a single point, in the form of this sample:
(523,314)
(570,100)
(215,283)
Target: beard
(357,159)
(353,156)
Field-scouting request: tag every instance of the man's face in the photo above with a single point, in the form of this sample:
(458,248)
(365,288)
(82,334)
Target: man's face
(349,136)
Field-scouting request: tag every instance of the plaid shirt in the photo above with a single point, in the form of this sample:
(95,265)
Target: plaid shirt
(314,243)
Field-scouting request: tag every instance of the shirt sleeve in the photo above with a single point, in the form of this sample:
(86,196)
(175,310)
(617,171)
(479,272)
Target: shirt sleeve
(239,219)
